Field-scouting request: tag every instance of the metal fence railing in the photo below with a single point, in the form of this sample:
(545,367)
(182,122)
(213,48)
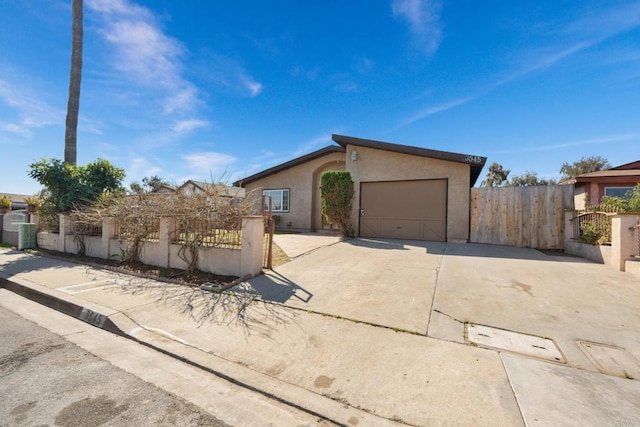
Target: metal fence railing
(592,227)
(636,230)
(137,228)
(217,232)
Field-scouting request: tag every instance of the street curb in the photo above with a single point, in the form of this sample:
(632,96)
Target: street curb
(66,307)
(101,321)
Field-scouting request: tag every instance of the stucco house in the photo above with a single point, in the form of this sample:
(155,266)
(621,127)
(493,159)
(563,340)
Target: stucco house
(198,187)
(401,191)
(611,182)
(17,200)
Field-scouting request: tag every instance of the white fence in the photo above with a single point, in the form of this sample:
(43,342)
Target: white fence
(241,261)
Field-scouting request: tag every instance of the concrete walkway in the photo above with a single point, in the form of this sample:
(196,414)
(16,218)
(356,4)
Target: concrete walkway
(368,332)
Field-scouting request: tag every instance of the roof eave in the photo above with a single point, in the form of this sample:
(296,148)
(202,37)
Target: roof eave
(476,163)
(291,163)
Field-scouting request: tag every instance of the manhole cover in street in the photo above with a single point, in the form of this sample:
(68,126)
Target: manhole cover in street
(611,360)
(515,342)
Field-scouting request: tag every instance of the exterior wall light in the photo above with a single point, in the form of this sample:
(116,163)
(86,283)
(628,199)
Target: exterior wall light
(354,155)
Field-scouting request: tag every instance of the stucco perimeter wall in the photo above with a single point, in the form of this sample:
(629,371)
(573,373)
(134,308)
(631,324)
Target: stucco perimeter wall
(300,182)
(379,165)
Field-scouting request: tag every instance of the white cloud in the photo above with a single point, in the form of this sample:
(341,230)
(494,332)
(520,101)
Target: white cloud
(576,36)
(120,7)
(208,162)
(229,73)
(423,17)
(144,53)
(182,100)
(19,130)
(140,166)
(346,87)
(431,110)
(186,126)
(608,139)
(605,23)
(254,87)
(313,144)
(32,112)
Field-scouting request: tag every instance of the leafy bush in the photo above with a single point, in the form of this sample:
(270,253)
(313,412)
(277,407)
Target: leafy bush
(33,203)
(630,203)
(70,186)
(596,232)
(5,202)
(336,189)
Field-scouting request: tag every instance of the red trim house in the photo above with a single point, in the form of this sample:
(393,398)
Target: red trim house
(611,182)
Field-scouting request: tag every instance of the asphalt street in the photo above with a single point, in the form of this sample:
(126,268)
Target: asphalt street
(47,380)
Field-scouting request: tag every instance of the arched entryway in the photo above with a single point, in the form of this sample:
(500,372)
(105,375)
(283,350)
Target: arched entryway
(317,223)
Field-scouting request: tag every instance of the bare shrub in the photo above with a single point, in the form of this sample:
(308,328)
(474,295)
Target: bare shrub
(210,218)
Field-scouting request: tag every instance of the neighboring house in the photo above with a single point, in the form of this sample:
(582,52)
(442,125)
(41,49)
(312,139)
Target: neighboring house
(17,200)
(197,187)
(401,191)
(611,182)
(165,189)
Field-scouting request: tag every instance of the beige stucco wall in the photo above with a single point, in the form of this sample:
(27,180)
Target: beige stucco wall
(304,204)
(579,194)
(379,165)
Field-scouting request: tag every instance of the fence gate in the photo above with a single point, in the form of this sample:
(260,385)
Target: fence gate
(529,217)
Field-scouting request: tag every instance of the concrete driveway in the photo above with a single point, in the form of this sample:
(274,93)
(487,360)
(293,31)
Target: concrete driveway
(590,312)
(389,283)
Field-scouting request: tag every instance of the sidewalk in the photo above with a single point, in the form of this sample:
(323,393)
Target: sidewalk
(346,372)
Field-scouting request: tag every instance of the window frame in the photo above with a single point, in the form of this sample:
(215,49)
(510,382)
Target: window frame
(282,199)
(627,189)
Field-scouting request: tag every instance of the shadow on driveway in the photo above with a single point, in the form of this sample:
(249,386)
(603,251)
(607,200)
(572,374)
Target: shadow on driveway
(274,287)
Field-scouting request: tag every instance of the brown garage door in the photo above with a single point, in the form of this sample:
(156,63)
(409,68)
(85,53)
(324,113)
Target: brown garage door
(404,209)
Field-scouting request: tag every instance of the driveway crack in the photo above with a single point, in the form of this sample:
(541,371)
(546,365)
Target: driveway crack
(435,285)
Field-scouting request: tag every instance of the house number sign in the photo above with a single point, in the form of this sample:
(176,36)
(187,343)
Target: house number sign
(93,318)
(472,159)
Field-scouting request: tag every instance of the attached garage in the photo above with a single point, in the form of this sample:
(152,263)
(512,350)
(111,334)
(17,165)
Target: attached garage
(415,209)
(400,191)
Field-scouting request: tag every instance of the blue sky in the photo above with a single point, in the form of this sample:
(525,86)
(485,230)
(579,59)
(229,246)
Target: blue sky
(212,90)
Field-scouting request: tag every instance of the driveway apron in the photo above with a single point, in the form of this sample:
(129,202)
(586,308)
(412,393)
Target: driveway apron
(385,282)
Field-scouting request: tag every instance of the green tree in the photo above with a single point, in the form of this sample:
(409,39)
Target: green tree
(584,165)
(150,184)
(73,105)
(336,189)
(529,179)
(69,186)
(496,176)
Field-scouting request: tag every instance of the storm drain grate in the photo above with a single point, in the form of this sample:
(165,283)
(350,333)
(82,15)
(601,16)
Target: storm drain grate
(611,360)
(514,342)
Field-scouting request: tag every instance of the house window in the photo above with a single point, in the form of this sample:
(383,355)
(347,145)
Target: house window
(617,191)
(279,200)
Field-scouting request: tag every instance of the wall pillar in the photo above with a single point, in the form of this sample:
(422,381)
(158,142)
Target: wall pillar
(167,232)
(108,232)
(252,245)
(34,218)
(623,239)
(568,227)
(65,228)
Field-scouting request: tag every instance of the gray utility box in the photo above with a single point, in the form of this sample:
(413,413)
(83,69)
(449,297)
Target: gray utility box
(26,236)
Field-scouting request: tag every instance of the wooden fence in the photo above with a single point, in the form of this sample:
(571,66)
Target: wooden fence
(529,217)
